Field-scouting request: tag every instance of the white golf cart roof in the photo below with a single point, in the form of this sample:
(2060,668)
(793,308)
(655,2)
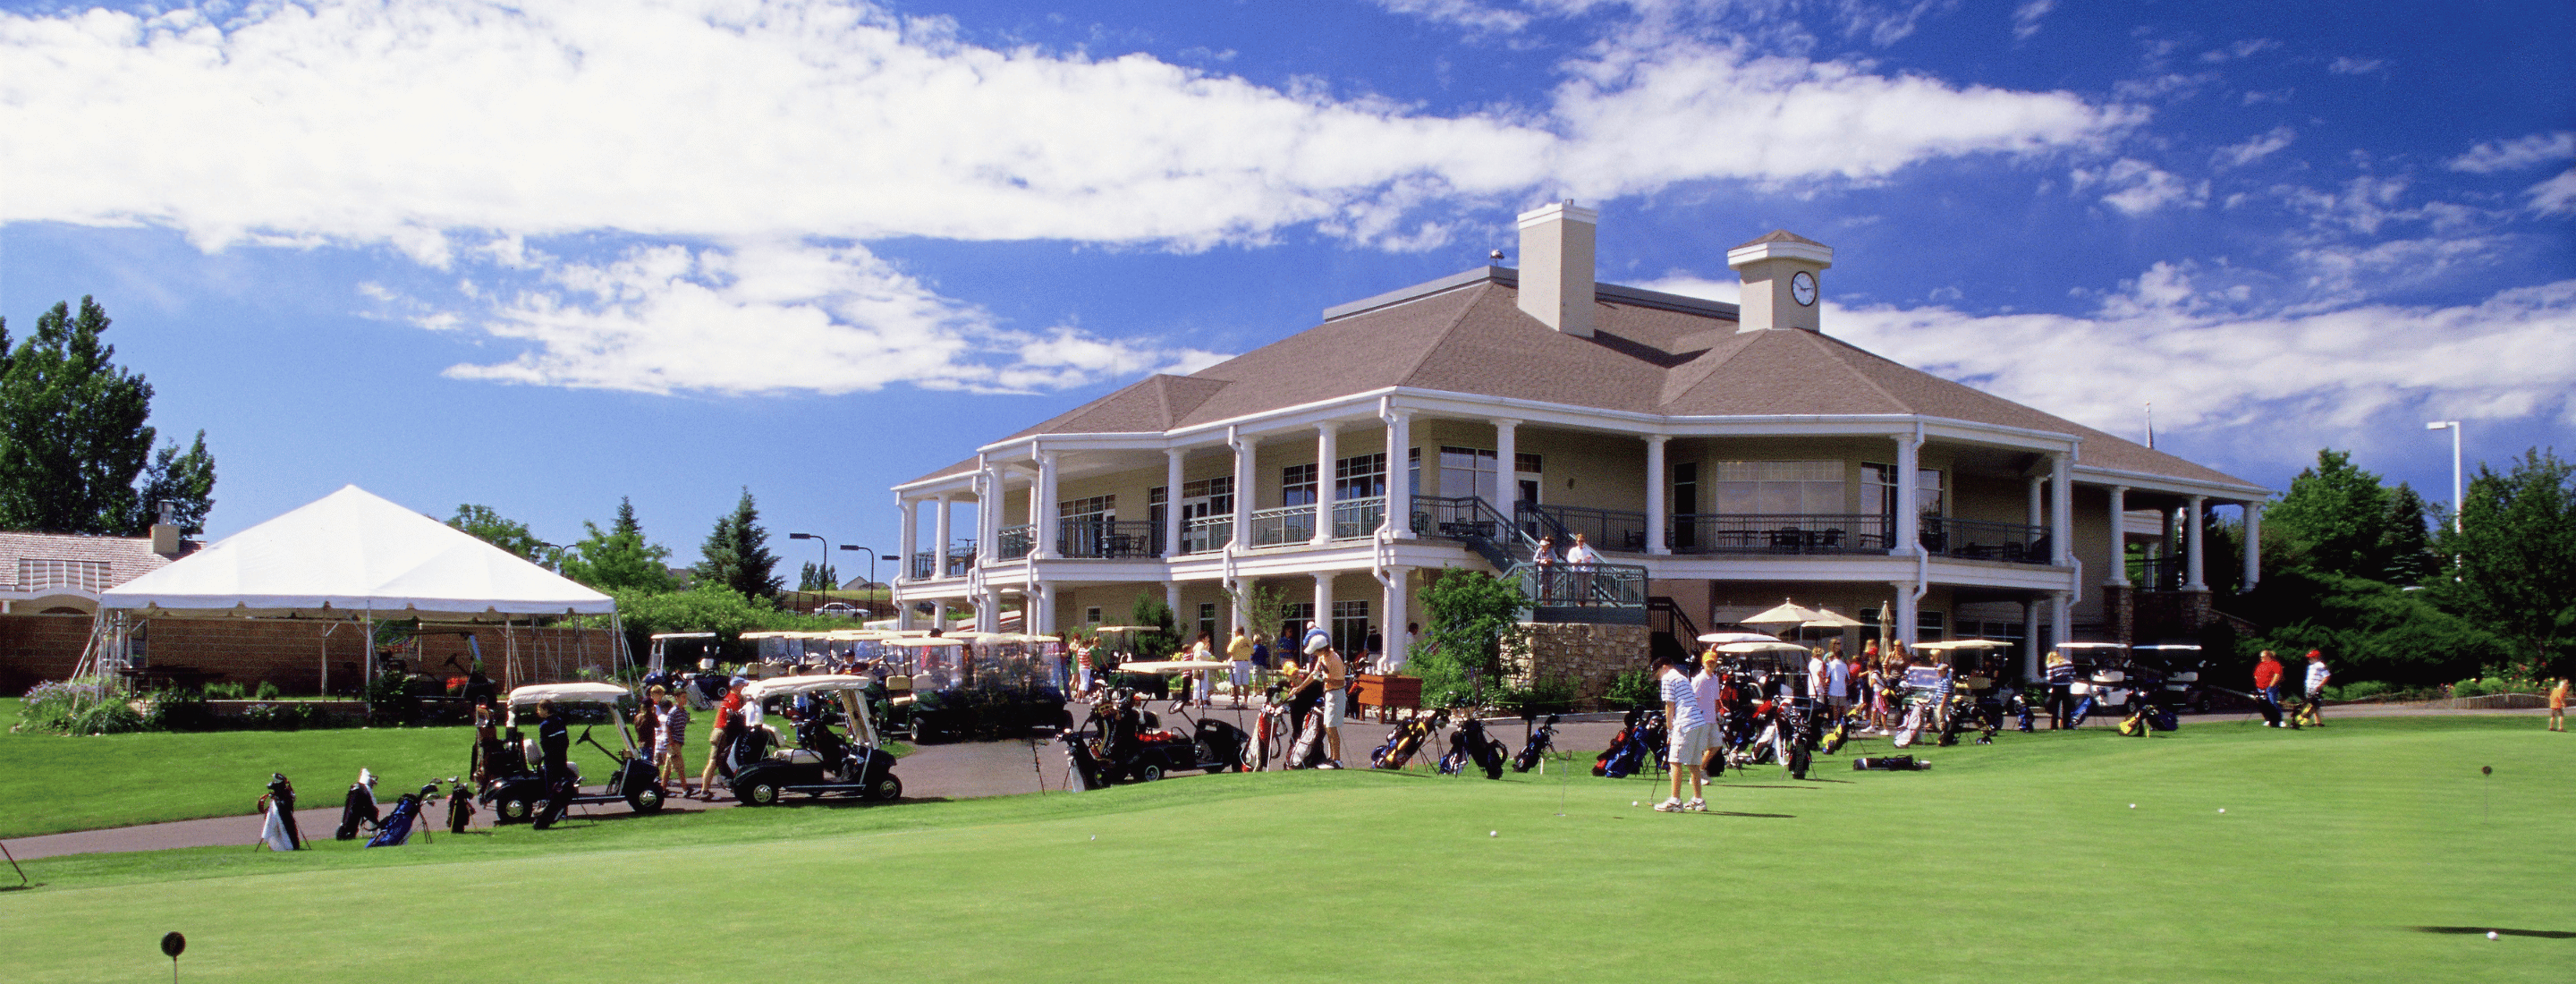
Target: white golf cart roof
(569,693)
(2192,646)
(926,641)
(1170,666)
(1723,637)
(1774,646)
(791,686)
(684,635)
(1943,647)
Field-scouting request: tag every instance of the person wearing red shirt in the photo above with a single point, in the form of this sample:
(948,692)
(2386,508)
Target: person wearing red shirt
(2267,682)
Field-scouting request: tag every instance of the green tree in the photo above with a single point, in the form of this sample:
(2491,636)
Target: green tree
(1473,616)
(1163,638)
(619,558)
(1264,610)
(2338,518)
(2371,630)
(736,553)
(2515,555)
(812,578)
(72,431)
(184,480)
(498,530)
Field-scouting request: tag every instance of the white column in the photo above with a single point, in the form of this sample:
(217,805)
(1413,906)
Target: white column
(2030,642)
(1906,623)
(988,515)
(1236,614)
(2253,545)
(1041,619)
(2118,575)
(988,611)
(1909,512)
(910,534)
(1656,482)
(1328,444)
(1172,501)
(1507,448)
(1394,611)
(1035,505)
(940,528)
(2061,618)
(2037,514)
(1172,600)
(1244,451)
(2061,509)
(1323,603)
(1042,511)
(1399,488)
(2193,519)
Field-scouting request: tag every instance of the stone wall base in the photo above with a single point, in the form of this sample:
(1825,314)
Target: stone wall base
(1589,656)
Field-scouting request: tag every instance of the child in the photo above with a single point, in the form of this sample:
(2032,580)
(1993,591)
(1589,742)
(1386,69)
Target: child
(2558,706)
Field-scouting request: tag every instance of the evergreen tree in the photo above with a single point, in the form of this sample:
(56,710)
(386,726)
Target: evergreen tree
(2515,556)
(72,432)
(2409,540)
(1162,636)
(736,553)
(813,578)
(619,558)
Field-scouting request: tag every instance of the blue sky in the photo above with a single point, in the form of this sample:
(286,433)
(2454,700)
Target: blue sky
(544,255)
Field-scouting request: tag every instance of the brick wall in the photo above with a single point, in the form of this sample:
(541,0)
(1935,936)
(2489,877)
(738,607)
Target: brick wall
(289,653)
(1590,655)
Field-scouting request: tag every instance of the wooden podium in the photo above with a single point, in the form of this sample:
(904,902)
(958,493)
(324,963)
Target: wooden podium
(1386,692)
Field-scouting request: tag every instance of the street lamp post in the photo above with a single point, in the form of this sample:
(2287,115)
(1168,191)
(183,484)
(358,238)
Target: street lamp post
(823,570)
(873,557)
(2457,526)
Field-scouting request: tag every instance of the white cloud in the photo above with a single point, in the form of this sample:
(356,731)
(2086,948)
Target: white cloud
(2239,155)
(776,317)
(2515,154)
(2556,196)
(2026,18)
(1473,16)
(2207,365)
(1729,291)
(2136,187)
(2241,49)
(2349,65)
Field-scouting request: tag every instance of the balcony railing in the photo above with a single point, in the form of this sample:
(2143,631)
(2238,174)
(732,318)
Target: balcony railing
(1106,538)
(1283,526)
(1357,518)
(1780,533)
(2157,573)
(1605,529)
(1597,586)
(1974,539)
(1206,534)
(959,559)
(1016,541)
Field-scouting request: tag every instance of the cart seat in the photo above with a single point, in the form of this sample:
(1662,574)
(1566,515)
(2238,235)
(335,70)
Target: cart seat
(797,756)
(898,683)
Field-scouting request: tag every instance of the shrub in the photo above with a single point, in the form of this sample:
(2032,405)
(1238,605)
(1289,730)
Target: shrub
(57,707)
(1635,688)
(267,691)
(224,691)
(176,710)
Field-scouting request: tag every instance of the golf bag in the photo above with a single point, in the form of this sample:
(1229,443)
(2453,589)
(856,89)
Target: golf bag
(1308,750)
(359,808)
(1407,739)
(460,807)
(278,830)
(1835,737)
(1080,764)
(2271,709)
(1539,743)
(395,831)
(1912,727)
(1900,763)
(1629,750)
(2083,709)
(2024,720)
(1470,742)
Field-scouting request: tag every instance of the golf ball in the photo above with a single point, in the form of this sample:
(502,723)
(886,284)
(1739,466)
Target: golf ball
(1632,802)
(1493,833)
(2491,934)
(2133,806)
(2222,809)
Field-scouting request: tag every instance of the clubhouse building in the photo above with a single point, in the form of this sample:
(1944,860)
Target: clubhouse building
(1721,457)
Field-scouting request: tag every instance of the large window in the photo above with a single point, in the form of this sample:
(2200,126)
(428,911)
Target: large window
(1359,477)
(1881,486)
(1778,487)
(1294,618)
(1207,497)
(1095,508)
(1297,485)
(1468,471)
(1350,627)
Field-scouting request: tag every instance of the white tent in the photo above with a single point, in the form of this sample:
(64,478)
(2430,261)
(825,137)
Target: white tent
(352,552)
(348,556)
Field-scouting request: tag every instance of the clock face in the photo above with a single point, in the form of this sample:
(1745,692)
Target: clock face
(1803,287)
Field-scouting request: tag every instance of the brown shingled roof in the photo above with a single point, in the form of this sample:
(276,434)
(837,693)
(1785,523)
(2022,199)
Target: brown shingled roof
(1475,339)
(125,557)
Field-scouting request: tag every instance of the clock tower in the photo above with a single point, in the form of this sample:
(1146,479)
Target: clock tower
(1782,281)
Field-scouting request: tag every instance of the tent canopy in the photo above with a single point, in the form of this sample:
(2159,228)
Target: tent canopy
(351,552)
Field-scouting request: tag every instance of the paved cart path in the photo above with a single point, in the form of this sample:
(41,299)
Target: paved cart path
(972,769)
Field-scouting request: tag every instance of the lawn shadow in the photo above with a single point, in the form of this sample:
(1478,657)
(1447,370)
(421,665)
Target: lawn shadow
(1766,816)
(2545,934)
(21,888)
(1732,785)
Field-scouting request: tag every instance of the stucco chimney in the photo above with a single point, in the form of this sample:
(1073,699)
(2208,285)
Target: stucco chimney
(1556,265)
(165,533)
(1783,281)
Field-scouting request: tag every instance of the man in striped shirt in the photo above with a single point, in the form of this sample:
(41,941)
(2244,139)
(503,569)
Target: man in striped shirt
(1689,739)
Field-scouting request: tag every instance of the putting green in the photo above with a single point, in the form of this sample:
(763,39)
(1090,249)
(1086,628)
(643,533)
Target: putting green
(2020,861)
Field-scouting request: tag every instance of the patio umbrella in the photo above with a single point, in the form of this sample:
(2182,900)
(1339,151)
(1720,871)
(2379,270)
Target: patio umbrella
(1943,647)
(1723,637)
(1788,613)
(1773,646)
(1827,618)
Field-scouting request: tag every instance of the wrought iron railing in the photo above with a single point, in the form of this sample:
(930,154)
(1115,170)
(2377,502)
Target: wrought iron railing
(1590,586)
(959,559)
(2157,573)
(1357,518)
(1283,526)
(1106,538)
(1605,529)
(1206,534)
(1780,533)
(1015,541)
(1976,539)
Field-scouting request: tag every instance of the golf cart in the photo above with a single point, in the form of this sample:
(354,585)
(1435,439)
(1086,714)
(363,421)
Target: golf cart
(1976,695)
(1121,740)
(516,791)
(1774,718)
(2178,665)
(2101,676)
(847,760)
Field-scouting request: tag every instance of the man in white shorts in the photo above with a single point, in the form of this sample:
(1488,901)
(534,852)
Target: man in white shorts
(1327,666)
(1689,739)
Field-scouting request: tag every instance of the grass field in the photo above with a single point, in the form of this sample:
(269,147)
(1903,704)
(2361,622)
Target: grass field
(2017,862)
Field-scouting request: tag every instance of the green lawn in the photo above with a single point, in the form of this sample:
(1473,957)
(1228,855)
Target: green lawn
(2017,862)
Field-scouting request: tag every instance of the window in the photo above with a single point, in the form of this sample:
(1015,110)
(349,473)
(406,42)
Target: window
(1091,615)
(1527,464)
(1158,506)
(1685,502)
(1207,497)
(1207,619)
(1779,487)
(1350,627)
(1098,507)
(1359,477)
(1297,485)
(1928,626)
(1294,617)
(1468,471)
(1412,472)
(1881,492)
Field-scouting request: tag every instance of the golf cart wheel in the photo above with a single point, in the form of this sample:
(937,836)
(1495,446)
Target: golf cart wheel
(760,794)
(1148,773)
(513,810)
(646,801)
(886,790)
